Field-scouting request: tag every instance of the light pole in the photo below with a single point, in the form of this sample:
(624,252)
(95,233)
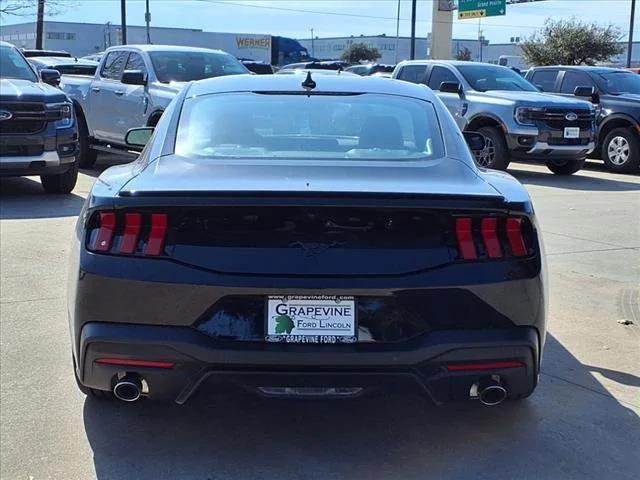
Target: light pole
(123,21)
(413,29)
(147,19)
(397,31)
(313,50)
(40,26)
(630,47)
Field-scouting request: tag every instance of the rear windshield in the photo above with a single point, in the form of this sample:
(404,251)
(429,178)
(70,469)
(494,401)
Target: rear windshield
(253,125)
(189,66)
(13,65)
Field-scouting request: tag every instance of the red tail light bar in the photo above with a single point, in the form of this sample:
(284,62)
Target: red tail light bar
(131,362)
(493,237)
(130,234)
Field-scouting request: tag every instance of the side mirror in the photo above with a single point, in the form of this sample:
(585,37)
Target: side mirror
(134,77)
(475,141)
(50,76)
(451,87)
(138,137)
(588,92)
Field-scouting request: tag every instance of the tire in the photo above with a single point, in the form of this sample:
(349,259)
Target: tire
(88,156)
(61,183)
(91,392)
(621,150)
(566,167)
(495,154)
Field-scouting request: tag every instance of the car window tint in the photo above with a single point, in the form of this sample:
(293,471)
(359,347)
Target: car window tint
(13,65)
(362,127)
(177,66)
(135,62)
(545,80)
(439,75)
(113,65)
(413,73)
(572,80)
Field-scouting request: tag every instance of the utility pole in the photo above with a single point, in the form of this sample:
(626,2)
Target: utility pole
(480,36)
(313,50)
(413,29)
(123,21)
(40,26)
(630,47)
(147,19)
(397,31)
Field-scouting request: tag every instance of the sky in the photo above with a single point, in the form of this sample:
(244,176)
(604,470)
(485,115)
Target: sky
(332,18)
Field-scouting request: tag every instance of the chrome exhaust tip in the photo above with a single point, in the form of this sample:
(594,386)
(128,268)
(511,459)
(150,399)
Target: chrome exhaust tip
(128,389)
(492,395)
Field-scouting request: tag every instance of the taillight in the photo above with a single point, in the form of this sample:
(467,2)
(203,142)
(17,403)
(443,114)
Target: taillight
(129,233)
(490,237)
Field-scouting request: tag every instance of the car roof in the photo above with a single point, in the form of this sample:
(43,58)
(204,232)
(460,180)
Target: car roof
(315,71)
(62,61)
(454,63)
(585,68)
(164,48)
(324,83)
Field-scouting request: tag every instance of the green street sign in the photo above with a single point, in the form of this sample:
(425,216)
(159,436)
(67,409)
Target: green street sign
(481,8)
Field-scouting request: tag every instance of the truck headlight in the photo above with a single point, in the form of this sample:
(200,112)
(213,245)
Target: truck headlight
(63,113)
(527,115)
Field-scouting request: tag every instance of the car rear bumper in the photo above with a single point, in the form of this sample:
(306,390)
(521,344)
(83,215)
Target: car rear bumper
(422,364)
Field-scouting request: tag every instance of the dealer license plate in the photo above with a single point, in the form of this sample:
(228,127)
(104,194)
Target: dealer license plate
(571,132)
(311,319)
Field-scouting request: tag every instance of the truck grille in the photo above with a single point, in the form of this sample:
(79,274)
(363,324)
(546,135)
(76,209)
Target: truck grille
(27,118)
(21,150)
(555,118)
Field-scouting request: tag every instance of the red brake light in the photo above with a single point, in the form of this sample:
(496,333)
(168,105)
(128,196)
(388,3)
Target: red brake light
(468,367)
(465,239)
(157,235)
(132,227)
(489,232)
(514,235)
(106,232)
(130,362)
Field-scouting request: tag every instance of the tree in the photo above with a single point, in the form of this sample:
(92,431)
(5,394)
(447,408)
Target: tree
(464,55)
(358,52)
(572,42)
(27,8)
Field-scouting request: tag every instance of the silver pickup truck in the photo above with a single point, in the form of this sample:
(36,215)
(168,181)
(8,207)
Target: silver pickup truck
(517,120)
(131,88)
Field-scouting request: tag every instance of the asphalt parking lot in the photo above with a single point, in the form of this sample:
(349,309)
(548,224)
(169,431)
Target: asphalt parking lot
(582,422)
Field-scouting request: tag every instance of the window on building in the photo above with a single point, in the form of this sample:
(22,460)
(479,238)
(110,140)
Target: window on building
(60,36)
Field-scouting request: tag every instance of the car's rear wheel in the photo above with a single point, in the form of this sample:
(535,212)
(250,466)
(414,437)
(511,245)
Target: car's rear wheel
(621,150)
(62,182)
(88,156)
(566,167)
(495,153)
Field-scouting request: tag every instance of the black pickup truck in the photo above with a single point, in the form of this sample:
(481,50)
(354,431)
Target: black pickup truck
(617,92)
(38,134)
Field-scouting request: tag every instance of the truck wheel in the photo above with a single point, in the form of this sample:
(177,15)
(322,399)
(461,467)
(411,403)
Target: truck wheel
(621,150)
(495,153)
(88,156)
(566,167)
(62,182)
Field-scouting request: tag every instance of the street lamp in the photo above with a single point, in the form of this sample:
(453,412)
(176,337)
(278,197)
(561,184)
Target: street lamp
(630,47)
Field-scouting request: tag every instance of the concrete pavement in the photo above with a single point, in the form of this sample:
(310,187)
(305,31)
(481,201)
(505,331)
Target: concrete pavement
(583,422)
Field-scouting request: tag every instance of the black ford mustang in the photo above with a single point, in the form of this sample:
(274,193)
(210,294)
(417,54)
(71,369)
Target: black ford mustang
(324,236)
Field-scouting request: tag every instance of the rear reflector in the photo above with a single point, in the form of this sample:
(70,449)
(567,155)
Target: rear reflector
(489,232)
(468,367)
(132,227)
(106,232)
(155,243)
(128,362)
(514,235)
(465,239)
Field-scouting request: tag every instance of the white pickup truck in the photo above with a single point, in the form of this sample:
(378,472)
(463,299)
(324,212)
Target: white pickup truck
(131,88)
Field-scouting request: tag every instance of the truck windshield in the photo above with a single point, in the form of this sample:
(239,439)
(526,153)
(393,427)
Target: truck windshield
(484,78)
(617,83)
(278,126)
(13,65)
(189,66)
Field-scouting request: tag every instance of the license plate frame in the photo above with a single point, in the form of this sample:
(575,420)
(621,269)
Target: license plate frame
(315,319)
(571,132)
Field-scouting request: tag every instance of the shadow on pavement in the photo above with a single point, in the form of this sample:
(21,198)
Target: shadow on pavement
(106,160)
(583,180)
(562,431)
(22,197)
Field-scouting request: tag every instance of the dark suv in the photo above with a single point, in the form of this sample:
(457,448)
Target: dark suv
(37,127)
(617,92)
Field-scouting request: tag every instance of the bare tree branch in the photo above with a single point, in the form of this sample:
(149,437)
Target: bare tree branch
(28,8)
